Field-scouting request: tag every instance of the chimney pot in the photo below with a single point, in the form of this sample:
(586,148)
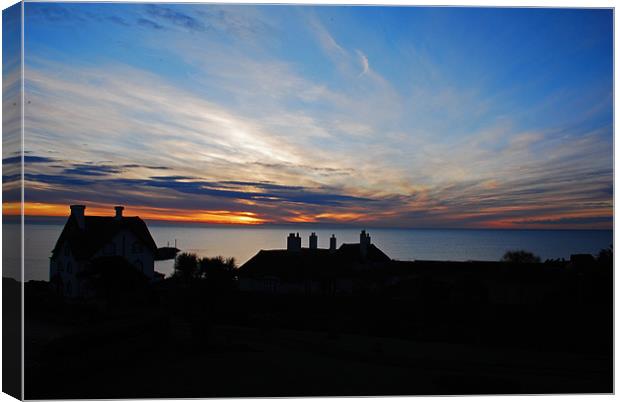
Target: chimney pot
(364,243)
(293,242)
(314,240)
(119,212)
(77,211)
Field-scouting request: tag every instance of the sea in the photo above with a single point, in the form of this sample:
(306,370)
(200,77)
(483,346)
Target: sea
(243,242)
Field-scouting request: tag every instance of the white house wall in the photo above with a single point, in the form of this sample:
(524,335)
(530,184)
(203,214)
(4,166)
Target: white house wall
(123,242)
(63,261)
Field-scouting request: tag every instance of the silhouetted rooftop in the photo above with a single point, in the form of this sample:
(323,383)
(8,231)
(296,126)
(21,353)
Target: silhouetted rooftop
(352,252)
(311,262)
(99,230)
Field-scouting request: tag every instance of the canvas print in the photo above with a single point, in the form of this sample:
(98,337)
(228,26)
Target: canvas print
(226,200)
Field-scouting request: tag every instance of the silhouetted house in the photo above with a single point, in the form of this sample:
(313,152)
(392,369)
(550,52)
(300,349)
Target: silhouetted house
(311,270)
(496,283)
(581,261)
(85,239)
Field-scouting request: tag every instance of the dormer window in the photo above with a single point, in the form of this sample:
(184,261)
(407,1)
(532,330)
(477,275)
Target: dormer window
(67,249)
(109,249)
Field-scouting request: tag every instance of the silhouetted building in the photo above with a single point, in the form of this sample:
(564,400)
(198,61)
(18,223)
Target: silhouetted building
(311,270)
(87,238)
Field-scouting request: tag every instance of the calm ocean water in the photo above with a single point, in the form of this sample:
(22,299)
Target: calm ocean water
(403,244)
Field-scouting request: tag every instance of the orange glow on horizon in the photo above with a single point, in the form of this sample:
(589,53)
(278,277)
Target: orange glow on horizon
(251,218)
(221,217)
(539,221)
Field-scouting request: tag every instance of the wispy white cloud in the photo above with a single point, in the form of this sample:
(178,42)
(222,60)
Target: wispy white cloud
(363,61)
(425,150)
(143,119)
(327,41)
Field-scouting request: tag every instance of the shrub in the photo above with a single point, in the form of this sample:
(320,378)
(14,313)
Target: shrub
(520,257)
(186,266)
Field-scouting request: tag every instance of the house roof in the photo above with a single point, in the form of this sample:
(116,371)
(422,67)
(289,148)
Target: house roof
(351,252)
(98,230)
(283,263)
(307,262)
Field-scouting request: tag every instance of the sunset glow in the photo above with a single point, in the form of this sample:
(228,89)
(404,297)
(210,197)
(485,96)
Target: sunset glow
(241,114)
(217,217)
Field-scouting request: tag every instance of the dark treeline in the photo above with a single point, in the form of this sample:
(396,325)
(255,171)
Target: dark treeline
(188,266)
(516,326)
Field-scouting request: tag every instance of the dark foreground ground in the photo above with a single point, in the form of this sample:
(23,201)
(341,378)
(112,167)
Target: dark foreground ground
(241,362)
(197,340)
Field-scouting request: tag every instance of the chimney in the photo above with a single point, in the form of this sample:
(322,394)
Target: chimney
(314,240)
(332,243)
(119,212)
(293,242)
(364,243)
(77,211)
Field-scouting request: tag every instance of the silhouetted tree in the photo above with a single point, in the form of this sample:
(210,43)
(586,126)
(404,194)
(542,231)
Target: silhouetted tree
(218,271)
(216,265)
(231,263)
(606,256)
(520,257)
(186,266)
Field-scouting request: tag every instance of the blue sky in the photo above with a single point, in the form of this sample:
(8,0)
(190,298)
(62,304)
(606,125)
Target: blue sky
(387,116)
(11,101)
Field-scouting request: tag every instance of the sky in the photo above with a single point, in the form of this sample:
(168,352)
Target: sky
(377,116)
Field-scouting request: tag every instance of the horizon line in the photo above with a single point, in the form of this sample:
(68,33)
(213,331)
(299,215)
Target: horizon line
(345,225)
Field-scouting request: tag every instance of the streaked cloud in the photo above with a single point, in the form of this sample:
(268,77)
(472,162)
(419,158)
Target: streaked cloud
(363,62)
(229,115)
